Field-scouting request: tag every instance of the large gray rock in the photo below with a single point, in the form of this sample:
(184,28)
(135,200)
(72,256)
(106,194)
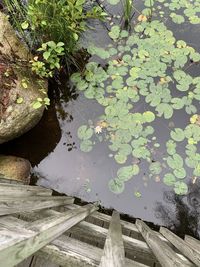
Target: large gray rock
(16,119)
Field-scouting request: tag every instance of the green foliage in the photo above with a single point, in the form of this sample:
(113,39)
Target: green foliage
(51,57)
(190,10)
(42,21)
(39,102)
(127,12)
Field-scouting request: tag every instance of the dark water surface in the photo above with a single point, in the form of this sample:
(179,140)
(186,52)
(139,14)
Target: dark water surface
(53,149)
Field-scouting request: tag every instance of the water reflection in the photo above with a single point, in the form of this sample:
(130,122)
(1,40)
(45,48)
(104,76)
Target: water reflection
(37,143)
(181,213)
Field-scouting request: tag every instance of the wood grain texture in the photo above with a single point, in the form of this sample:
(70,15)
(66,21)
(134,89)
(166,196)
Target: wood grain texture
(11,205)
(114,255)
(193,242)
(70,252)
(18,243)
(18,190)
(185,248)
(165,254)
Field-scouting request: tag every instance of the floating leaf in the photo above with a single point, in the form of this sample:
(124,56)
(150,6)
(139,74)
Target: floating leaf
(116,186)
(149,116)
(115,32)
(180,188)
(86,145)
(84,132)
(155,167)
(137,194)
(126,173)
(120,158)
(178,134)
(180,173)
(169,179)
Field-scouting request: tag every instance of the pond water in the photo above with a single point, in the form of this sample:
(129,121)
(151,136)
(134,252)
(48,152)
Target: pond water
(53,146)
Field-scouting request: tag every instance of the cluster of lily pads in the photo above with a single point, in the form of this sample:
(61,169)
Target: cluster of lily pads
(179,11)
(147,65)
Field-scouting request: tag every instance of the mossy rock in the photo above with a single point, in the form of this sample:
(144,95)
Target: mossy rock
(19,88)
(14,169)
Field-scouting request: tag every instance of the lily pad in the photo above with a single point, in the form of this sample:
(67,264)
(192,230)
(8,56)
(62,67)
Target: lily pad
(116,186)
(169,179)
(178,134)
(149,116)
(86,145)
(180,188)
(126,173)
(84,132)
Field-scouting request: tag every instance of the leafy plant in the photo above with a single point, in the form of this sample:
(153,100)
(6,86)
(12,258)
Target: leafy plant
(41,21)
(51,57)
(127,12)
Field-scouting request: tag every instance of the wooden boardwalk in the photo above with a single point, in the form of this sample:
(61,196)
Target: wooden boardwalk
(40,230)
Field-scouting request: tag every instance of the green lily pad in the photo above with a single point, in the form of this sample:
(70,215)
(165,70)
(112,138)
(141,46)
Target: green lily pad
(137,194)
(180,173)
(180,188)
(115,32)
(116,186)
(120,158)
(178,134)
(169,179)
(84,132)
(149,116)
(155,167)
(126,173)
(86,145)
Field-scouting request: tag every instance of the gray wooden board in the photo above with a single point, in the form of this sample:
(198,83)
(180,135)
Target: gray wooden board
(18,190)
(185,248)
(193,242)
(114,255)
(89,231)
(69,252)
(165,254)
(10,205)
(18,243)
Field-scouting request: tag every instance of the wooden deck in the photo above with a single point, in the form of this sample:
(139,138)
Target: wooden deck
(37,229)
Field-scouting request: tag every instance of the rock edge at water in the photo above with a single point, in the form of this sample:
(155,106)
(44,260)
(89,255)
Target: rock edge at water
(16,119)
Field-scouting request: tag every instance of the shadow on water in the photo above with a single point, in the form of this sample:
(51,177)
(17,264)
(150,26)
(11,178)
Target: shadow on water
(36,144)
(181,213)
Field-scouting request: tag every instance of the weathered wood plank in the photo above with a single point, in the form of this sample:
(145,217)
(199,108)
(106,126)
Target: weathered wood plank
(165,254)
(126,226)
(10,205)
(18,243)
(193,242)
(19,190)
(114,255)
(70,252)
(25,263)
(41,262)
(90,232)
(185,248)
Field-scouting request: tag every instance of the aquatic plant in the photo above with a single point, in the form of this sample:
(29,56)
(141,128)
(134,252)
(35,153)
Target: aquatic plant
(127,12)
(173,9)
(42,21)
(147,65)
(51,56)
